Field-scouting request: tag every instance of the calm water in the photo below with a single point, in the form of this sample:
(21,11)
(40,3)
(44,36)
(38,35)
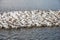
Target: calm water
(29,4)
(31,34)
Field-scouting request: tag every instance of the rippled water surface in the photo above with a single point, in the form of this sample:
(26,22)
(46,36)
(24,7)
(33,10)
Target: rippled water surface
(29,4)
(31,34)
(34,33)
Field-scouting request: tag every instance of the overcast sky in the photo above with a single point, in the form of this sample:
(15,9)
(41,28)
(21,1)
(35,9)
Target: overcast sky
(30,4)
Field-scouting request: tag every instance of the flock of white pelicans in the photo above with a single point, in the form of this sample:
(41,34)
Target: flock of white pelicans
(35,18)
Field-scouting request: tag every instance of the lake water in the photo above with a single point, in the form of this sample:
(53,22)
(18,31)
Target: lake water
(29,4)
(34,33)
(31,34)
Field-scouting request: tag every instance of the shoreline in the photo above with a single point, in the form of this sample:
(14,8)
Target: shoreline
(29,19)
